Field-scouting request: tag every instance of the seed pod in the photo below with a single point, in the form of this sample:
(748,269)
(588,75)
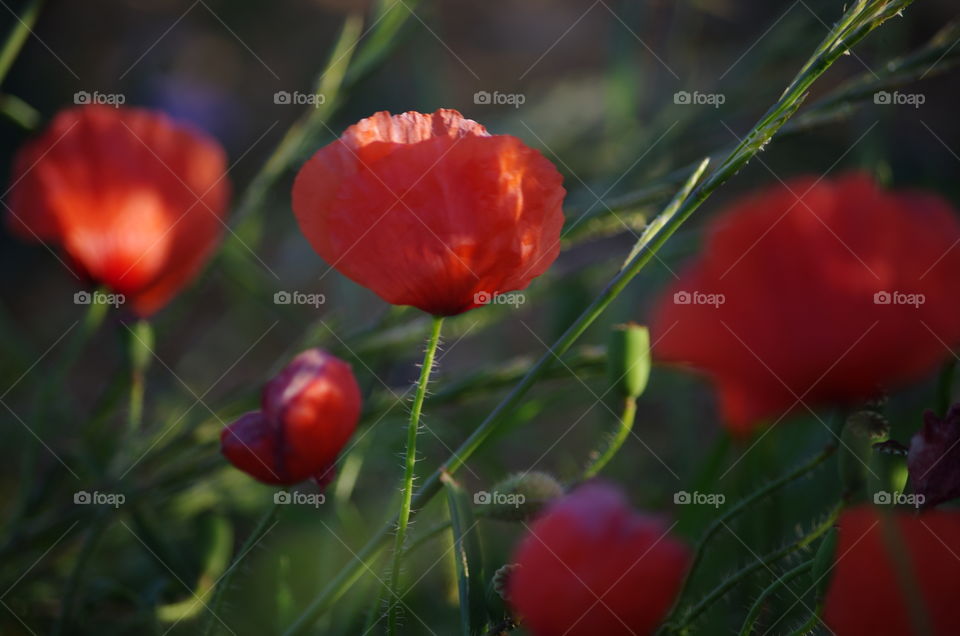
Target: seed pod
(628,359)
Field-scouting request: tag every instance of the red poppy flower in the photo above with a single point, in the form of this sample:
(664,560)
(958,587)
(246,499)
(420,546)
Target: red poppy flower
(308,412)
(134,199)
(895,575)
(431,210)
(820,291)
(591,565)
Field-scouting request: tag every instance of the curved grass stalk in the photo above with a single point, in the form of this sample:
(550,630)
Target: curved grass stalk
(765,561)
(771,589)
(723,520)
(263,525)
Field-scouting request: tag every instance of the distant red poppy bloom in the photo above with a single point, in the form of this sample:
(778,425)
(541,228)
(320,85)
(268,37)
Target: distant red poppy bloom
(591,565)
(895,576)
(431,210)
(307,414)
(134,199)
(820,291)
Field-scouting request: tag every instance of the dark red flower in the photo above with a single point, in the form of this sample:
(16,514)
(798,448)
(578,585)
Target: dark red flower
(816,290)
(882,562)
(591,565)
(308,412)
(134,199)
(431,210)
(934,458)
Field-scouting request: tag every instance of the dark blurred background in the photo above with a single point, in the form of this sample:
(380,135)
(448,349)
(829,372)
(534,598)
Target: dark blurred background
(597,82)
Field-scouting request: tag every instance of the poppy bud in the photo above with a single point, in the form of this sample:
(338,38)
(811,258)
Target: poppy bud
(934,458)
(591,545)
(522,496)
(308,412)
(431,210)
(628,359)
(135,200)
(895,574)
(497,591)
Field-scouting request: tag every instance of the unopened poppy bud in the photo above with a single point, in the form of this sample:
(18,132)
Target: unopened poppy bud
(497,590)
(308,412)
(628,359)
(520,496)
(934,458)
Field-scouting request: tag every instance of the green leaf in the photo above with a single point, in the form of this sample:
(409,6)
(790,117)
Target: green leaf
(468,557)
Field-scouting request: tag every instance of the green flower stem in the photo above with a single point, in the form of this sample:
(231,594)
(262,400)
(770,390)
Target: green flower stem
(413,429)
(140,352)
(861,18)
(723,520)
(780,581)
(627,418)
(765,561)
(263,525)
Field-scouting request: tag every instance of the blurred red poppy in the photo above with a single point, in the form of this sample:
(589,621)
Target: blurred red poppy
(895,575)
(817,291)
(591,565)
(308,412)
(431,210)
(134,199)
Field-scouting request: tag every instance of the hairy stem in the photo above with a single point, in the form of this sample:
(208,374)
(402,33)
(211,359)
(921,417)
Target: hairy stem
(765,561)
(413,429)
(627,417)
(780,581)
